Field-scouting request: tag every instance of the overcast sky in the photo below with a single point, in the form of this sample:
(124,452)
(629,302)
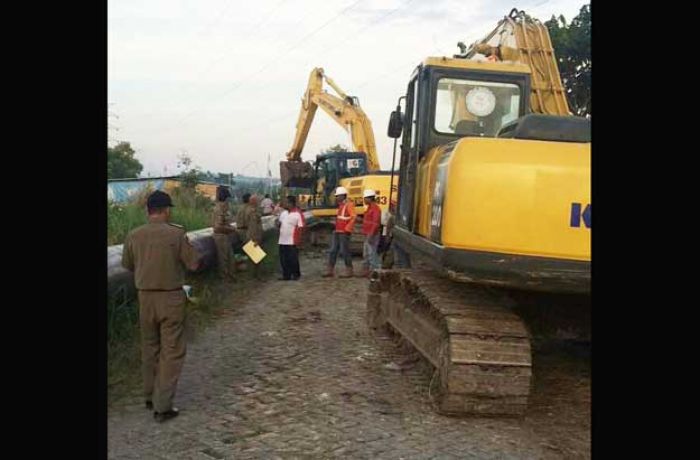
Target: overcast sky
(223,79)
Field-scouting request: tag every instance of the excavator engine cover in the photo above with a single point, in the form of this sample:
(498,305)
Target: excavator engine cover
(296,174)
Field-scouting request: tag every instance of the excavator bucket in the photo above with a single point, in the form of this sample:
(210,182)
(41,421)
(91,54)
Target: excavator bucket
(296,174)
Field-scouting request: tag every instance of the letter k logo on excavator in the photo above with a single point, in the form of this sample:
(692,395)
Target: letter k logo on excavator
(577,215)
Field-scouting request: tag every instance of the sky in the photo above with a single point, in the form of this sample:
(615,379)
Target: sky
(222,80)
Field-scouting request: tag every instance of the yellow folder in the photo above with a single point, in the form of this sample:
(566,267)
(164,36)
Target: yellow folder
(254,251)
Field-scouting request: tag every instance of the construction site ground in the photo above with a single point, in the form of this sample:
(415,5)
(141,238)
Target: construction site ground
(291,370)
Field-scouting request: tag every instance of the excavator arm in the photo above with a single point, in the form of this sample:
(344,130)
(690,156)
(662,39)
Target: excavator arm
(306,114)
(343,109)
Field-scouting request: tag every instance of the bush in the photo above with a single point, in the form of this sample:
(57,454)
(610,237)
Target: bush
(192,210)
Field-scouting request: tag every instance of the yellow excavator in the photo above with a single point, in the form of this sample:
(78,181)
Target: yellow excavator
(356,171)
(494,204)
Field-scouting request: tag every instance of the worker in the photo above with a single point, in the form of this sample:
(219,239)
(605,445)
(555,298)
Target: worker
(340,239)
(240,218)
(279,208)
(291,222)
(253,221)
(371,223)
(267,205)
(221,224)
(253,227)
(159,253)
(385,246)
(240,226)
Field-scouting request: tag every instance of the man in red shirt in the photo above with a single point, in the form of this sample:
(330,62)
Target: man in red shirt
(371,222)
(340,240)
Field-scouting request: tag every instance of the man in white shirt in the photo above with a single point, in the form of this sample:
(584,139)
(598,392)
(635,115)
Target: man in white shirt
(267,205)
(291,221)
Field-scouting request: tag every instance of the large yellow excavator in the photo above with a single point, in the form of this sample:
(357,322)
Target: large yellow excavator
(356,171)
(494,203)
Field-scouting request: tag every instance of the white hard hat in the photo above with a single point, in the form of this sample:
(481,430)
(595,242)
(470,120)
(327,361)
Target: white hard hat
(340,191)
(368,193)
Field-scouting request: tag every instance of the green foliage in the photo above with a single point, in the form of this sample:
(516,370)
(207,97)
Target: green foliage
(336,148)
(192,210)
(217,178)
(572,46)
(121,162)
(189,177)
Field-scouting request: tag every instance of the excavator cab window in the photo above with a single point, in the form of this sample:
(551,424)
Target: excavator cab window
(475,108)
(326,181)
(329,172)
(352,167)
(409,153)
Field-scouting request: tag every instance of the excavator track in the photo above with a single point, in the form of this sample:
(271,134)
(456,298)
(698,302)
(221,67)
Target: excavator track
(480,349)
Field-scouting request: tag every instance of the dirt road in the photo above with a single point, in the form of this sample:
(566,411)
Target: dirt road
(293,372)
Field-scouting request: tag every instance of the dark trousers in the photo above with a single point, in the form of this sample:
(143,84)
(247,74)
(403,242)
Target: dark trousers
(289,260)
(340,243)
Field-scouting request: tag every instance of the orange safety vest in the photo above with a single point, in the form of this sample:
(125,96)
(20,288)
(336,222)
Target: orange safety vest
(345,217)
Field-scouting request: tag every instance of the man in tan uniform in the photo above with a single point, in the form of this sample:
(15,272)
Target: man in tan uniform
(221,223)
(240,218)
(253,221)
(253,227)
(158,253)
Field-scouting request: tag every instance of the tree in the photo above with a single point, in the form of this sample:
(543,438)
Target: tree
(336,148)
(121,162)
(189,177)
(572,46)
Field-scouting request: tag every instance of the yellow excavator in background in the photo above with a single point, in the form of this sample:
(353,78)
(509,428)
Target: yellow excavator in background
(356,171)
(494,205)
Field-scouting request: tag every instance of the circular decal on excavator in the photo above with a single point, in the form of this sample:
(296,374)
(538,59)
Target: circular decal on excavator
(481,101)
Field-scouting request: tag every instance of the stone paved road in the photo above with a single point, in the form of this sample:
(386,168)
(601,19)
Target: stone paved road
(294,373)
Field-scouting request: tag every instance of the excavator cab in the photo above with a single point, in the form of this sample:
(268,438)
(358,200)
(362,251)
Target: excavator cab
(330,169)
(448,102)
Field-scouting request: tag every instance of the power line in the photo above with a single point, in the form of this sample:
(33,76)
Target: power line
(219,18)
(297,44)
(292,48)
(391,72)
(373,23)
(378,20)
(274,60)
(255,30)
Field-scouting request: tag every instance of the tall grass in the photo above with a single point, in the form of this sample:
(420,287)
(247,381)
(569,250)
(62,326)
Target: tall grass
(123,348)
(192,210)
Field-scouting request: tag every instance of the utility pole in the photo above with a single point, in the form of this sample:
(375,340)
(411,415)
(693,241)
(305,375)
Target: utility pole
(110,127)
(269,176)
